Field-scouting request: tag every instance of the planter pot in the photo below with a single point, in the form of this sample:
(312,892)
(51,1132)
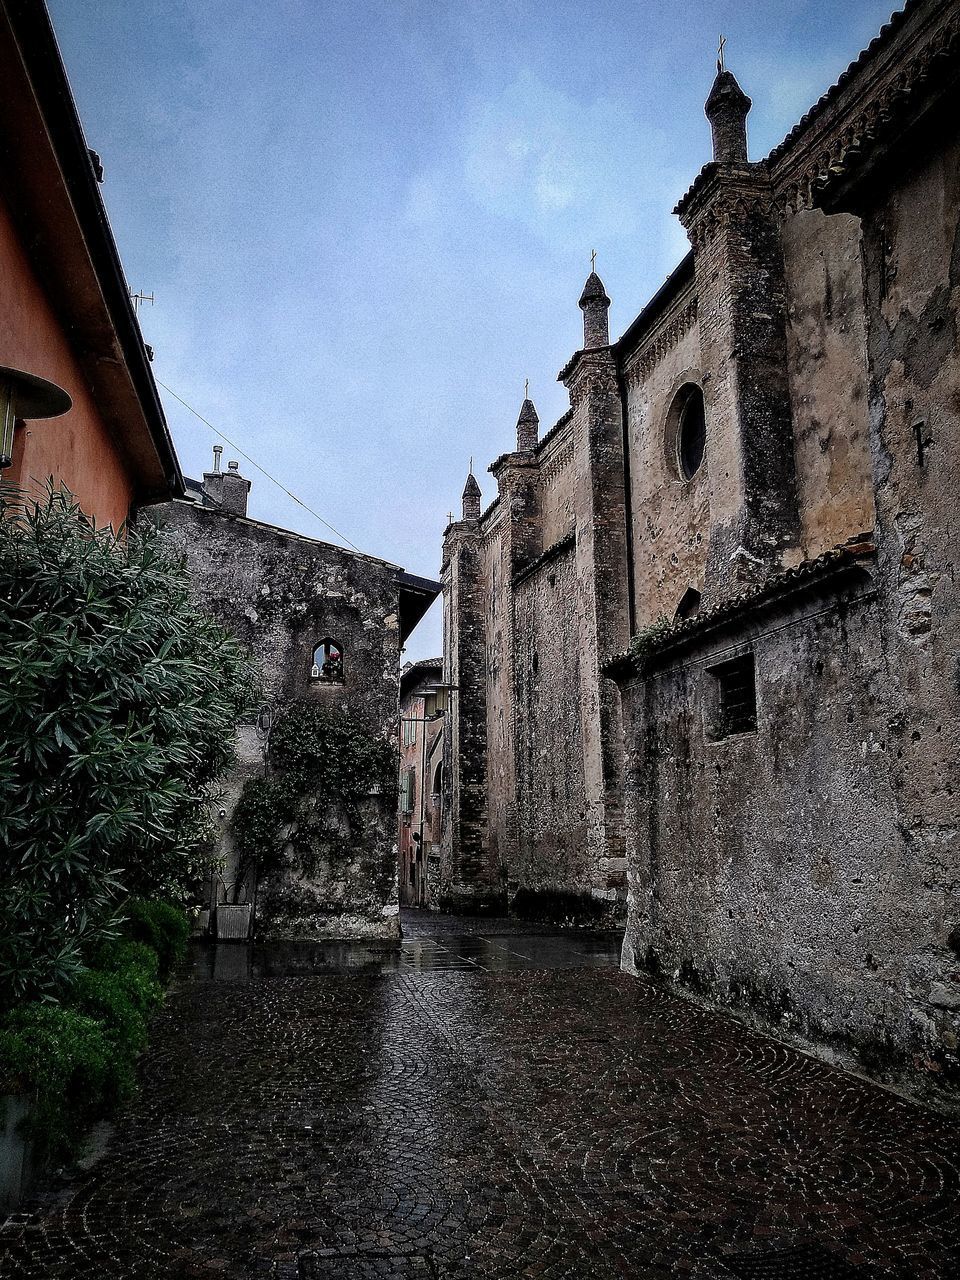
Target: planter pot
(233,922)
(16,1164)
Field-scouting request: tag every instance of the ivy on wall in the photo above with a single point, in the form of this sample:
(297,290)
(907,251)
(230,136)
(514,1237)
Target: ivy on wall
(308,809)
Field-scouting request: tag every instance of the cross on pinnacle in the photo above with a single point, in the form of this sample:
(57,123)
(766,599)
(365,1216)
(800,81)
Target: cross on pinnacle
(593,259)
(723,41)
(526,388)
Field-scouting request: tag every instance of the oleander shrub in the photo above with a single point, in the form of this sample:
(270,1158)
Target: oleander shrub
(118,700)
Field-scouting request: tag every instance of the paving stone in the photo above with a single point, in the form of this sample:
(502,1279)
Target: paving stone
(559,1119)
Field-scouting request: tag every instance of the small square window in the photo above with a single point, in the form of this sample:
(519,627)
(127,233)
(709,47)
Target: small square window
(735,700)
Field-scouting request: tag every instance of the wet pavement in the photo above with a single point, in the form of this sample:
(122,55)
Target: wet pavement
(489,1101)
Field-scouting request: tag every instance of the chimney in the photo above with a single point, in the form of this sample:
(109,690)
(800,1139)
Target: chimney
(225,490)
(235,491)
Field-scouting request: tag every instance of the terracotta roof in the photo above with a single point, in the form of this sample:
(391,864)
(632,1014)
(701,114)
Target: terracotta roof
(876,45)
(415,671)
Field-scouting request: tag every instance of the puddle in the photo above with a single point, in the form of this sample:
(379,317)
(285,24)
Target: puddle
(238,962)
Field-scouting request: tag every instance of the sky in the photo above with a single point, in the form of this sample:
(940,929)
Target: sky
(366,223)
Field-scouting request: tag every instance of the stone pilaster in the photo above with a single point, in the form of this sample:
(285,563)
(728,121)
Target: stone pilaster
(741,307)
(601,559)
(466,876)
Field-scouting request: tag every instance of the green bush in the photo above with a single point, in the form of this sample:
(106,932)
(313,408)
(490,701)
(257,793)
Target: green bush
(136,966)
(161,926)
(118,700)
(76,1060)
(68,1064)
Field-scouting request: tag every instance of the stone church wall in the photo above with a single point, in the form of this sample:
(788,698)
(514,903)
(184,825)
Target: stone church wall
(670,514)
(552,846)
(805,873)
(801,869)
(826,345)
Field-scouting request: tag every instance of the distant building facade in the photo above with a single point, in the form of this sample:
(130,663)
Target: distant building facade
(706,634)
(326,626)
(65,309)
(421,783)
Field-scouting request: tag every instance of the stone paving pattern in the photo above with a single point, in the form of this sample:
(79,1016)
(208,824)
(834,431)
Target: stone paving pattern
(492,1107)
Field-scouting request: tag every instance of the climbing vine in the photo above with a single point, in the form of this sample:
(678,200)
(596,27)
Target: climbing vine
(308,809)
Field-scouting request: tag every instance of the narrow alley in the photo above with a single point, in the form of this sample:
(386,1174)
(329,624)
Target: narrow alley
(487,1101)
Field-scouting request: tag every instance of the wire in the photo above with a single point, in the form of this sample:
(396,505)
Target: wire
(217,432)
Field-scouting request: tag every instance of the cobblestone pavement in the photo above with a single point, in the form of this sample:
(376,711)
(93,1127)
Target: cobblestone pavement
(489,1106)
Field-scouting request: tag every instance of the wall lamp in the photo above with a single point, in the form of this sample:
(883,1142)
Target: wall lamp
(24,395)
(436,699)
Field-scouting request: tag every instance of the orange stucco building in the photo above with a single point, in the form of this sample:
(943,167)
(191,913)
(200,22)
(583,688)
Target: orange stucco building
(65,308)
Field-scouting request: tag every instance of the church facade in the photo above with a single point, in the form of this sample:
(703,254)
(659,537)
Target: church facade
(705,637)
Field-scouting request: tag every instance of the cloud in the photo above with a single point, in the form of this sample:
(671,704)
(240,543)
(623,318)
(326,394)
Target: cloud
(536,155)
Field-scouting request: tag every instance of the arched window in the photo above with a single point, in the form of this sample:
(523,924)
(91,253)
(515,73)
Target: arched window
(689,604)
(438,779)
(328,662)
(687,430)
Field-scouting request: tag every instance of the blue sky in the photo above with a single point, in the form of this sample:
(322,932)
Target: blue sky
(365,224)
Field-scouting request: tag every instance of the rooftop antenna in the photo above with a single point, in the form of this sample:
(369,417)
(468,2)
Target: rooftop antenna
(139,298)
(217,450)
(720,62)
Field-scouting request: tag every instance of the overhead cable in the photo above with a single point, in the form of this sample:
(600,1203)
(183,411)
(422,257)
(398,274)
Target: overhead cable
(263,471)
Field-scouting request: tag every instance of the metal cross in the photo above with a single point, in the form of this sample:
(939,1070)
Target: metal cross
(471,464)
(723,41)
(526,388)
(593,260)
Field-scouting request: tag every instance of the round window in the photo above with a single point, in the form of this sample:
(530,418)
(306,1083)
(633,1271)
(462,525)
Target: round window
(691,431)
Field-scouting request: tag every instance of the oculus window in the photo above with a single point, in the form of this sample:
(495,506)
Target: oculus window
(687,431)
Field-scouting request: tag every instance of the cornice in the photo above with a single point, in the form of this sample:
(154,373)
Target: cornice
(566,543)
(834,568)
(915,56)
(663,339)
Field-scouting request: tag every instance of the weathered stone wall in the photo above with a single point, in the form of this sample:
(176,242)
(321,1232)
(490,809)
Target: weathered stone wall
(500,783)
(527,667)
(469,874)
(670,515)
(780,872)
(552,846)
(826,343)
(558,492)
(281,595)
